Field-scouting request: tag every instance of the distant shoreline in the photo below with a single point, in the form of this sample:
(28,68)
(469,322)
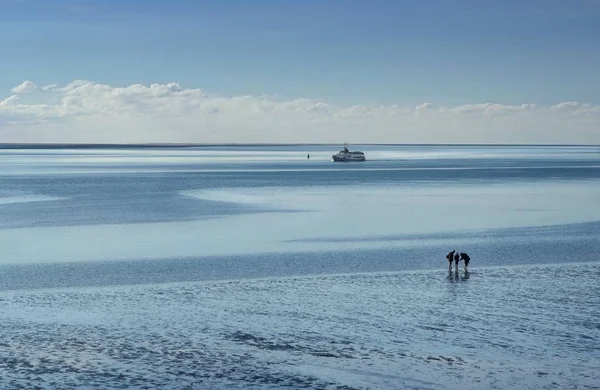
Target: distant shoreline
(234,145)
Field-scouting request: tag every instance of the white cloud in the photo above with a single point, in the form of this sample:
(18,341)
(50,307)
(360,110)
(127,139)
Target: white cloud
(50,87)
(25,87)
(422,107)
(10,101)
(85,111)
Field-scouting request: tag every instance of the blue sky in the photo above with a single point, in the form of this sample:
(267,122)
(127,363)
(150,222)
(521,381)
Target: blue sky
(352,51)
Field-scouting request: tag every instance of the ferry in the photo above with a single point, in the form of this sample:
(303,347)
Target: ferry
(345,155)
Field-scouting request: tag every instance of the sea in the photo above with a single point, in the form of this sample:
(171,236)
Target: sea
(270,266)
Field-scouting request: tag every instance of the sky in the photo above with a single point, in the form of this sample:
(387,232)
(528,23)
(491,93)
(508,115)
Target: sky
(362,71)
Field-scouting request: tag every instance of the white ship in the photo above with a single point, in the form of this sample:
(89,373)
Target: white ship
(345,155)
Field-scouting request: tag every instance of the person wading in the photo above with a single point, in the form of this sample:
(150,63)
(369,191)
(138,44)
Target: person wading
(465,258)
(450,257)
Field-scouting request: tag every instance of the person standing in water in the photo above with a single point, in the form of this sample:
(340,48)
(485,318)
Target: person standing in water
(308,156)
(450,257)
(466,258)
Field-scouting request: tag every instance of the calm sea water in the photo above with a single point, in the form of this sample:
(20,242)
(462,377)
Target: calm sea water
(255,267)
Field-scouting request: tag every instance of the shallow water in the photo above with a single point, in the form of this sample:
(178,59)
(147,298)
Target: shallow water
(257,268)
(496,327)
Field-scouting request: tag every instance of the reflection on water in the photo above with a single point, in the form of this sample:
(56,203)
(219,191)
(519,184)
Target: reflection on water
(465,275)
(457,275)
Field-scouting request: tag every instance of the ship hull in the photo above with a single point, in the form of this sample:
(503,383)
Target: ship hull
(346,159)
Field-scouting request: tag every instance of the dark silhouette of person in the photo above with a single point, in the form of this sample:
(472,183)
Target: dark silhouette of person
(456,260)
(450,257)
(466,258)
(308,156)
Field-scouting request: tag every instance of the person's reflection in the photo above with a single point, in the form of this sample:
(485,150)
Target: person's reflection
(453,277)
(456,276)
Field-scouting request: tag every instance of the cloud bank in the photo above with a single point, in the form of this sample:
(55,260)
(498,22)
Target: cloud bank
(88,112)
